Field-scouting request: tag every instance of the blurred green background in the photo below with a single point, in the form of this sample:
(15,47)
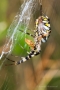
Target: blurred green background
(41,72)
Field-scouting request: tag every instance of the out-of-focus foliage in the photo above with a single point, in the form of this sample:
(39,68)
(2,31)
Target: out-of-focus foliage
(3,9)
(41,73)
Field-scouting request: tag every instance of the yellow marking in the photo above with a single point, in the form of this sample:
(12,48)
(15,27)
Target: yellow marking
(48,25)
(45,19)
(36,23)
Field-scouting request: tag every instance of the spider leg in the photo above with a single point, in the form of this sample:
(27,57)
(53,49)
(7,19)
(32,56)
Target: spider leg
(28,57)
(27,33)
(11,61)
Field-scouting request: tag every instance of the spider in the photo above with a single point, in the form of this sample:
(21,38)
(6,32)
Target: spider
(41,34)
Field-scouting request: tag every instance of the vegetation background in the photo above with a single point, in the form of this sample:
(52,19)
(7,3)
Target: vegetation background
(41,72)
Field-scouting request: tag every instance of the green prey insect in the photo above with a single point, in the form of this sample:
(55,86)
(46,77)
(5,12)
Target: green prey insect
(41,34)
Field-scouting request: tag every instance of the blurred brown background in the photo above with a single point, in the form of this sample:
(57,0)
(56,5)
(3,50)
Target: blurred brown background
(43,71)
